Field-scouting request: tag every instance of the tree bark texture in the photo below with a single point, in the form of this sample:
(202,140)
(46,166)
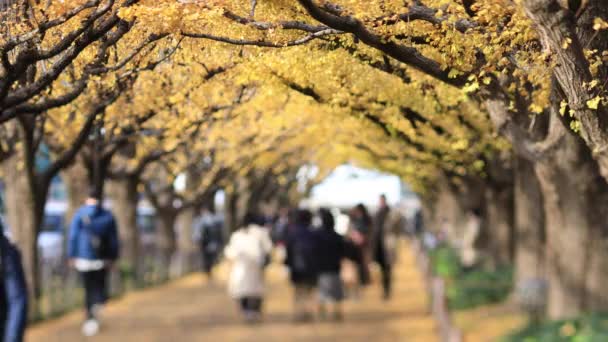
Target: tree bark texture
(124,195)
(529,224)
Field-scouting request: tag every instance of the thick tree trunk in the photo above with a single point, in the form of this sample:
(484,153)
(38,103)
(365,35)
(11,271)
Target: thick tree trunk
(557,24)
(184,224)
(449,213)
(231,219)
(185,244)
(124,195)
(575,200)
(498,224)
(166,237)
(529,224)
(25,202)
(77,187)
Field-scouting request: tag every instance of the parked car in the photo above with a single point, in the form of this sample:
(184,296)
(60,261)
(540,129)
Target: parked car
(146,223)
(51,236)
(52,232)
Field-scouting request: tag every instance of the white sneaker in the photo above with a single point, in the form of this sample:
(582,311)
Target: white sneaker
(90,327)
(97,311)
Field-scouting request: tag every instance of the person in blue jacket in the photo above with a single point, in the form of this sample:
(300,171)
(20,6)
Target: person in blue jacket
(93,248)
(13,301)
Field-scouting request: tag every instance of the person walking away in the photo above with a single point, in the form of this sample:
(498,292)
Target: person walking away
(331,249)
(387,226)
(418,223)
(248,249)
(280,226)
(359,234)
(302,263)
(93,248)
(210,238)
(13,292)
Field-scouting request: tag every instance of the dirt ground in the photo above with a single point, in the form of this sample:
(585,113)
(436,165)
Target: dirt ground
(193,309)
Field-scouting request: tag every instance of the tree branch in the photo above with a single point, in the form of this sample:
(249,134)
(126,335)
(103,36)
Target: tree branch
(404,54)
(263,43)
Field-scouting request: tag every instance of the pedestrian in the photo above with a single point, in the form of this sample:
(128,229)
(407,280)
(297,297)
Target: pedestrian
(330,249)
(280,226)
(249,251)
(210,238)
(302,263)
(93,249)
(359,234)
(13,292)
(388,224)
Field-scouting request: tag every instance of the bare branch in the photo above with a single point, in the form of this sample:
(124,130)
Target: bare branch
(68,156)
(254,3)
(263,43)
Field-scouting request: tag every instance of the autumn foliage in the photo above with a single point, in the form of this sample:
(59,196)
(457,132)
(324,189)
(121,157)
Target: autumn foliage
(498,106)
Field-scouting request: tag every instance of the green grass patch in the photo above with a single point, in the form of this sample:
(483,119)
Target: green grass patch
(470,287)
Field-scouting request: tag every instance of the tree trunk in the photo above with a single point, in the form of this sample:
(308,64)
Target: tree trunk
(25,202)
(166,239)
(556,24)
(184,224)
(498,224)
(185,244)
(77,187)
(449,213)
(124,195)
(575,200)
(529,224)
(231,211)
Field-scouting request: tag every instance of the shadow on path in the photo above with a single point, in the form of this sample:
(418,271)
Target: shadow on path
(191,310)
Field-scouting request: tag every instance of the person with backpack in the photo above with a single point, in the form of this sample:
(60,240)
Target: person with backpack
(249,251)
(302,263)
(93,248)
(209,234)
(13,292)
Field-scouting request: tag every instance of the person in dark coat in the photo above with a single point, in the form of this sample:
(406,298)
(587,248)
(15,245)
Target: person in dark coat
(359,233)
(14,298)
(93,248)
(331,249)
(210,238)
(302,263)
(378,247)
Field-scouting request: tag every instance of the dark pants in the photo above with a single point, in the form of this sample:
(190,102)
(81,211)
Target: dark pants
(95,289)
(209,260)
(385,269)
(251,304)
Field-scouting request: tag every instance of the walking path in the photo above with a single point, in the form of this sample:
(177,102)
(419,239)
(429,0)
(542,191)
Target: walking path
(190,309)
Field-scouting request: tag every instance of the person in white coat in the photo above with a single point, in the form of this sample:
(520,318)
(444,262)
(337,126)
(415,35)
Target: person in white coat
(249,250)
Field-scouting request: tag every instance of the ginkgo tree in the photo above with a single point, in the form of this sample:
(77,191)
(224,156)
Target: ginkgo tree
(536,66)
(429,90)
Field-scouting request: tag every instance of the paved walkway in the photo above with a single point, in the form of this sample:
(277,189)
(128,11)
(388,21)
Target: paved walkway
(191,309)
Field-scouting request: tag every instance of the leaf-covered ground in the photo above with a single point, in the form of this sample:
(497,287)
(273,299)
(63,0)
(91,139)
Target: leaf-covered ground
(192,310)
(489,322)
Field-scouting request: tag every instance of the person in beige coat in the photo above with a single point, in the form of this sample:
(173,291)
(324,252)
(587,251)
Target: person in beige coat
(386,228)
(249,250)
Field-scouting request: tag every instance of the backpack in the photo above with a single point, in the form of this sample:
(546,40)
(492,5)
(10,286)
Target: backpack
(97,241)
(304,256)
